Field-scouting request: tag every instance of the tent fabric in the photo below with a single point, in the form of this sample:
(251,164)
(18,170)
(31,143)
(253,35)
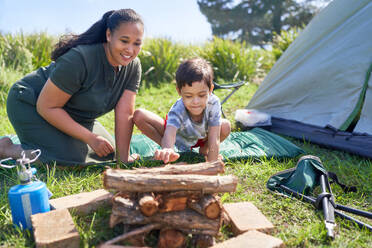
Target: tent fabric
(256,143)
(319,79)
(357,143)
(365,122)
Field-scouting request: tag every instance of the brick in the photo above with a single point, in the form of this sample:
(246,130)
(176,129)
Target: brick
(83,203)
(55,229)
(244,216)
(251,239)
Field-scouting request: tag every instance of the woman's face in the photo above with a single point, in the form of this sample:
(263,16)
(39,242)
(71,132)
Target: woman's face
(124,43)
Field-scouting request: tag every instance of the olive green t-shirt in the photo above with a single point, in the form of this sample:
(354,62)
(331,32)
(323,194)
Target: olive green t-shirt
(95,87)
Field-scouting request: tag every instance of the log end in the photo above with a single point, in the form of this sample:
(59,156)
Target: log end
(149,208)
(171,238)
(105,186)
(221,166)
(213,210)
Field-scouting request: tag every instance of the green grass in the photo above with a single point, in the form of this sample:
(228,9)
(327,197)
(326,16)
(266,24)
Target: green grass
(298,224)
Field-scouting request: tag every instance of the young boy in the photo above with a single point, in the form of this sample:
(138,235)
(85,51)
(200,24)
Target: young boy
(193,121)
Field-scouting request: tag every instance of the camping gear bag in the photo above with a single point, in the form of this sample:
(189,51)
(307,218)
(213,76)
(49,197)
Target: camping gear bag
(303,178)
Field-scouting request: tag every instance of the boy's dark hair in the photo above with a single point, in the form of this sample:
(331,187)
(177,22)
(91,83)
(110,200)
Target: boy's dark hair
(192,70)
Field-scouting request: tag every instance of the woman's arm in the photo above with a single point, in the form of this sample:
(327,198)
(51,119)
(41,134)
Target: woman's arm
(49,106)
(213,143)
(124,124)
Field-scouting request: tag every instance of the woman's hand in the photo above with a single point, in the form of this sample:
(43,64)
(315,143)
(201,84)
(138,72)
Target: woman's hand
(167,155)
(101,146)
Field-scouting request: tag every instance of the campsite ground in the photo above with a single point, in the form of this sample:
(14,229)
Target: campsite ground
(297,224)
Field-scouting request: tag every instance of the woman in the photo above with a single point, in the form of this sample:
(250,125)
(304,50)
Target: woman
(54,108)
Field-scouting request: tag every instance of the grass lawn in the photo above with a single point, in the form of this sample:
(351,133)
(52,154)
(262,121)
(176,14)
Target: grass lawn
(298,224)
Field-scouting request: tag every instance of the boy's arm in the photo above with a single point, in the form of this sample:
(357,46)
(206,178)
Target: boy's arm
(167,153)
(213,143)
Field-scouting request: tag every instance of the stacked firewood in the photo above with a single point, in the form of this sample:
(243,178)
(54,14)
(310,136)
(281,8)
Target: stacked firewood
(179,200)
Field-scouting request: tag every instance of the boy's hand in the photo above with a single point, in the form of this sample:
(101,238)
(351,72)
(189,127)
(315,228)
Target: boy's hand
(167,155)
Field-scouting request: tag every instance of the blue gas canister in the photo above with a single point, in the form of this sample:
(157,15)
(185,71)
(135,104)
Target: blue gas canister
(31,196)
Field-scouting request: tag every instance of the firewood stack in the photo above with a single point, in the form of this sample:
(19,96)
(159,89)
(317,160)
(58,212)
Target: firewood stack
(178,200)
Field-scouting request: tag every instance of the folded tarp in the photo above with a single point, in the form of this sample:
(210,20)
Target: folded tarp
(255,143)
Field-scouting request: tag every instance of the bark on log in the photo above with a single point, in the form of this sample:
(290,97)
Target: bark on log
(124,236)
(208,206)
(127,182)
(148,204)
(135,240)
(185,219)
(183,193)
(207,168)
(171,238)
(114,220)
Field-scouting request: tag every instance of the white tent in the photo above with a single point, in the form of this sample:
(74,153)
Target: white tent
(321,85)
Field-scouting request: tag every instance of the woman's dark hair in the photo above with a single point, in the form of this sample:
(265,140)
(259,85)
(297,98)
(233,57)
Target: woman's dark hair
(192,70)
(97,32)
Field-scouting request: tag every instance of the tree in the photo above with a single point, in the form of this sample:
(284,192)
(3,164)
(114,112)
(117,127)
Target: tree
(255,21)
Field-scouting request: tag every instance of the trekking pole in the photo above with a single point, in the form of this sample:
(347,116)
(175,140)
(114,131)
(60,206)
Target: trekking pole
(328,208)
(354,211)
(338,213)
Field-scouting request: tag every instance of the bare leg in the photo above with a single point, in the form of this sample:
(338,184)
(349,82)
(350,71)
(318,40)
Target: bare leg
(8,149)
(225,129)
(224,133)
(149,124)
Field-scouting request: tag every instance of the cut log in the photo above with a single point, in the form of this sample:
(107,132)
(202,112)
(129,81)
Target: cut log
(171,202)
(186,219)
(208,206)
(207,168)
(127,182)
(171,238)
(126,208)
(148,204)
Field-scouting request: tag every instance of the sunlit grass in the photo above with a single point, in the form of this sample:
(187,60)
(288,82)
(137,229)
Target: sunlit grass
(298,224)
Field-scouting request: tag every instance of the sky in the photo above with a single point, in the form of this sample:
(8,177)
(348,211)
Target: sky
(179,20)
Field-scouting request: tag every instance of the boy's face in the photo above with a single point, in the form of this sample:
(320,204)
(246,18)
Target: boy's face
(195,97)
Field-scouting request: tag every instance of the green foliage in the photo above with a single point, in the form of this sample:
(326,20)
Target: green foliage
(282,41)
(232,60)
(25,53)
(160,59)
(255,21)
(7,78)
(14,54)
(41,45)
